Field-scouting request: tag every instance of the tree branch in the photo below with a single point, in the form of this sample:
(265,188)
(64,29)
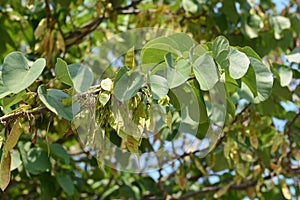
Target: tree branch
(40,109)
(23,113)
(77,36)
(289,135)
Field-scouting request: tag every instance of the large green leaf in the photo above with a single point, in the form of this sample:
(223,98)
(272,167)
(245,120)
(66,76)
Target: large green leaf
(18,73)
(221,51)
(66,183)
(250,80)
(62,72)
(251,25)
(57,151)
(279,23)
(238,64)
(37,161)
(294,56)
(179,74)
(76,75)
(128,85)
(52,99)
(264,83)
(206,71)
(82,77)
(155,50)
(3,89)
(249,52)
(159,86)
(264,79)
(15,160)
(285,74)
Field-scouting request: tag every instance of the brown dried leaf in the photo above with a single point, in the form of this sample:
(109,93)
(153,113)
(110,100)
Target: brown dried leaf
(13,137)
(5,170)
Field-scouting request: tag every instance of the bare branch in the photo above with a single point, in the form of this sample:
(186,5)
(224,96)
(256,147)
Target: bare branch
(23,113)
(289,134)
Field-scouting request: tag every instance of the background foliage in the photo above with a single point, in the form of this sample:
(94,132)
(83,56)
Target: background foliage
(258,154)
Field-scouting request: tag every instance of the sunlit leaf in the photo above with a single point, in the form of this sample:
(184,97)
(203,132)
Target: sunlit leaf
(128,85)
(294,56)
(279,23)
(62,72)
(52,98)
(238,64)
(159,86)
(17,67)
(206,71)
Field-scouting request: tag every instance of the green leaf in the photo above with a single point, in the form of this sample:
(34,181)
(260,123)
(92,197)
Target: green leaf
(82,77)
(155,50)
(279,23)
(52,99)
(159,86)
(249,52)
(251,25)
(230,11)
(285,74)
(12,100)
(76,75)
(264,79)
(5,170)
(297,91)
(192,6)
(264,83)
(65,183)
(238,64)
(169,60)
(37,161)
(110,191)
(250,80)
(58,151)
(221,51)
(104,97)
(3,89)
(178,74)
(62,72)
(294,56)
(128,85)
(17,67)
(206,72)
(15,160)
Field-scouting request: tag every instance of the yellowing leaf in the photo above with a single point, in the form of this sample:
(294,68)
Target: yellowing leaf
(5,170)
(60,43)
(222,191)
(285,190)
(13,137)
(107,84)
(129,58)
(40,29)
(253,140)
(104,97)
(181,179)
(297,156)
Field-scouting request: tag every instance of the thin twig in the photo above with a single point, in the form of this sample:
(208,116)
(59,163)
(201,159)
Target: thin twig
(23,113)
(289,135)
